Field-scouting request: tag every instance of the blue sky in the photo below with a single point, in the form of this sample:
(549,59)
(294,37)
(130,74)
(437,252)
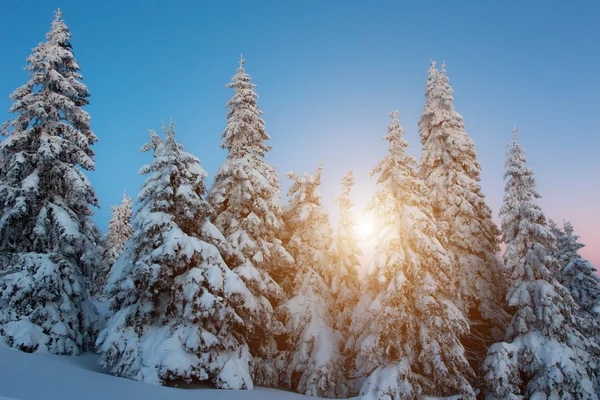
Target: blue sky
(328,72)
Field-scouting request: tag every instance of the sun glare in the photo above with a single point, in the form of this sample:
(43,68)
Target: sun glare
(365,226)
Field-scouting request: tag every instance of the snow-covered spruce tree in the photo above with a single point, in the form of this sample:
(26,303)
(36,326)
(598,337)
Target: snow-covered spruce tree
(346,253)
(546,356)
(406,331)
(558,234)
(580,278)
(451,172)
(315,365)
(119,232)
(178,307)
(48,243)
(577,274)
(245,197)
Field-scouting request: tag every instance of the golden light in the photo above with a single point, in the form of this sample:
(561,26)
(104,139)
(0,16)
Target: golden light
(365,226)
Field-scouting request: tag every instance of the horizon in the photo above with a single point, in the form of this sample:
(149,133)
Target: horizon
(328,83)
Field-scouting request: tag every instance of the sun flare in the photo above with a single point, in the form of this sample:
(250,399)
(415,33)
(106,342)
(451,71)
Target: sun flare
(365,226)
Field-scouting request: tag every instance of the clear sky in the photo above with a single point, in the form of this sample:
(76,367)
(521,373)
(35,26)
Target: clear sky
(328,72)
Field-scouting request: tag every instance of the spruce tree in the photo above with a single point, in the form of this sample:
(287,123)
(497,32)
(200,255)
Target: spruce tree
(346,253)
(406,331)
(245,197)
(451,172)
(119,232)
(48,242)
(558,236)
(179,309)
(315,365)
(577,274)
(580,278)
(545,355)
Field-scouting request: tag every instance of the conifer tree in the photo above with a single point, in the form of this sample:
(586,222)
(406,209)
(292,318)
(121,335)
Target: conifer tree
(119,232)
(558,237)
(451,172)
(580,278)
(346,261)
(245,196)
(179,310)
(575,273)
(315,365)
(545,354)
(48,242)
(406,331)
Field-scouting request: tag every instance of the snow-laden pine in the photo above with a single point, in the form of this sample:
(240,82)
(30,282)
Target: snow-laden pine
(346,253)
(245,197)
(576,273)
(179,309)
(581,279)
(315,364)
(48,243)
(119,232)
(545,355)
(406,330)
(451,172)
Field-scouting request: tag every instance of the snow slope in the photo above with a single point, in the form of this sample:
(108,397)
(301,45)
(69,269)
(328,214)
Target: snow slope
(44,376)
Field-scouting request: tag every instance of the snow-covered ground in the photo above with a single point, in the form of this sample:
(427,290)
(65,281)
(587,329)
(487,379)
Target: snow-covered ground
(44,376)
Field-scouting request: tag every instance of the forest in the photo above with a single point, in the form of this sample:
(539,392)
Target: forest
(231,286)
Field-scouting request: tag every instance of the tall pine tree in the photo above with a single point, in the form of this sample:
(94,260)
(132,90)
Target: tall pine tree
(315,365)
(581,279)
(119,232)
(245,197)
(406,331)
(48,243)
(546,356)
(451,172)
(346,253)
(577,274)
(179,310)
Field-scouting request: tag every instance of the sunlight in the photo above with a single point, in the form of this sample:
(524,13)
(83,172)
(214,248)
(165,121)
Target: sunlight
(365,226)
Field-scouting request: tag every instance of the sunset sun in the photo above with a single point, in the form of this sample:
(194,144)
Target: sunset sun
(365,226)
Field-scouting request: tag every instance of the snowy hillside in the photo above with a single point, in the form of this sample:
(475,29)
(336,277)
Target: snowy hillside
(44,376)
